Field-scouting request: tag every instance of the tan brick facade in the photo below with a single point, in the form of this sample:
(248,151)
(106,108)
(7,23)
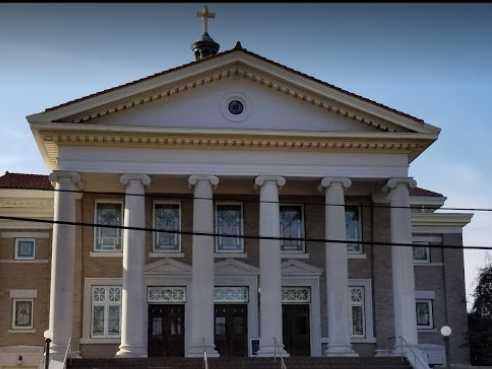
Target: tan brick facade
(445,280)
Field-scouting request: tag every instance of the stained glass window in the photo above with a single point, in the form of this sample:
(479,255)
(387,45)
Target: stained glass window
(229,222)
(292,295)
(421,253)
(424,314)
(167,216)
(292,226)
(106,311)
(25,248)
(353,229)
(108,213)
(22,314)
(357,301)
(166,295)
(233,294)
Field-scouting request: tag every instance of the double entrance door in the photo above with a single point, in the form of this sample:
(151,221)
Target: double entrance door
(296,329)
(231,329)
(166,330)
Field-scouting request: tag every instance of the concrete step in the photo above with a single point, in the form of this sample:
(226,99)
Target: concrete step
(242,363)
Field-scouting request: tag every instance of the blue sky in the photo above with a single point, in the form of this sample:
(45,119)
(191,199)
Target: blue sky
(433,61)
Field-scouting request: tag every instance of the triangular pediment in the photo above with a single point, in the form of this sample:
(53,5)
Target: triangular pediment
(296,267)
(232,266)
(187,107)
(236,64)
(167,266)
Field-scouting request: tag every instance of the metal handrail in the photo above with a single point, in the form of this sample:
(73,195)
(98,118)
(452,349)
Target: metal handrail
(67,351)
(205,360)
(275,347)
(410,348)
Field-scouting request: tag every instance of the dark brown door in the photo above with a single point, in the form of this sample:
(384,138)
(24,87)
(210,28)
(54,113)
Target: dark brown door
(166,330)
(296,332)
(231,330)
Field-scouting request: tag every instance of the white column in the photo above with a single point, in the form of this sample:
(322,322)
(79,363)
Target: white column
(62,261)
(202,283)
(133,299)
(336,264)
(402,260)
(270,268)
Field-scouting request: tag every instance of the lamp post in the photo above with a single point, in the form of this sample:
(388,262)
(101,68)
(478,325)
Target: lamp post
(445,333)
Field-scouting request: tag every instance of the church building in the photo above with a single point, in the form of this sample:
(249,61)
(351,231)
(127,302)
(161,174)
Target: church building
(231,206)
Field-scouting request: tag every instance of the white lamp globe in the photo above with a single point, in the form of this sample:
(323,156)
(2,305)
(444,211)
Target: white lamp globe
(446,331)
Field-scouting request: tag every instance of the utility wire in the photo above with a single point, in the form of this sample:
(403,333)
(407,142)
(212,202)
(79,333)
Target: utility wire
(191,197)
(248,237)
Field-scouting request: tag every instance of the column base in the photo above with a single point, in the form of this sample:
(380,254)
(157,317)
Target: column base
(272,351)
(131,351)
(197,351)
(340,350)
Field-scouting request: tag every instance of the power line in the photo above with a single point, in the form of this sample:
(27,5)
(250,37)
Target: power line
(191,197)
(213,234)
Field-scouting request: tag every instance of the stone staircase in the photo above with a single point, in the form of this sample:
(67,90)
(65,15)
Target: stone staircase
(243,363)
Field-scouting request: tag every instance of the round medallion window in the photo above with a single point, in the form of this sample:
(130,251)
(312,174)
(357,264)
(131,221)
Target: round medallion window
(235,107)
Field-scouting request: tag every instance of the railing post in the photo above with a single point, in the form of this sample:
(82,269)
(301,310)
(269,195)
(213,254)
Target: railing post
(47,353)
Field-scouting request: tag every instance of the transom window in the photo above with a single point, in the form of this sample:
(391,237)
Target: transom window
(108,213)
(357,297)
(353,225)
(106,311)
(25,248)
(22,314)
(229,221)
(167,215)
(292,226)
(421,253)
(425,319)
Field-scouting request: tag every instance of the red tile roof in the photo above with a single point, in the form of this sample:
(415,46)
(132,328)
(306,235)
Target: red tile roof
(238,47)
(25,181)
(41,182)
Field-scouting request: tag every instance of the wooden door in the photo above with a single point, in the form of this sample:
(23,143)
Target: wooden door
(166,330)
(296,329)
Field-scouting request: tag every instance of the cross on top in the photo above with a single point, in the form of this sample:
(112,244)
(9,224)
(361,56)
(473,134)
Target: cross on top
(205,15)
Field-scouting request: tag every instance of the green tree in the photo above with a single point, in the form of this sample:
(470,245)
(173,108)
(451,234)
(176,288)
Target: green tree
(480,319)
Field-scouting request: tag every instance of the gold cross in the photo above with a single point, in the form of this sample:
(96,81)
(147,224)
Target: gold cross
(205,15)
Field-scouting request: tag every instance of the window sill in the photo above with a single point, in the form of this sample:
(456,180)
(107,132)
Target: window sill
(90,341)
(300,255)
(166,255)
(25,261)
(242,255)
(428,264)
(426,330)
(20,331)
(101,254)
(357,256)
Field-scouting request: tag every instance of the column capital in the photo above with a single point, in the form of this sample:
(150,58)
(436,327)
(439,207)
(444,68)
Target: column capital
(195,178)
(57,175)
(125,179)
(261,180)
(392,183)
(327,182)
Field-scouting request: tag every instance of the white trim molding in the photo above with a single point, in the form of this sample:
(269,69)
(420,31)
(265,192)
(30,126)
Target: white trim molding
(26,234)
(440,222)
